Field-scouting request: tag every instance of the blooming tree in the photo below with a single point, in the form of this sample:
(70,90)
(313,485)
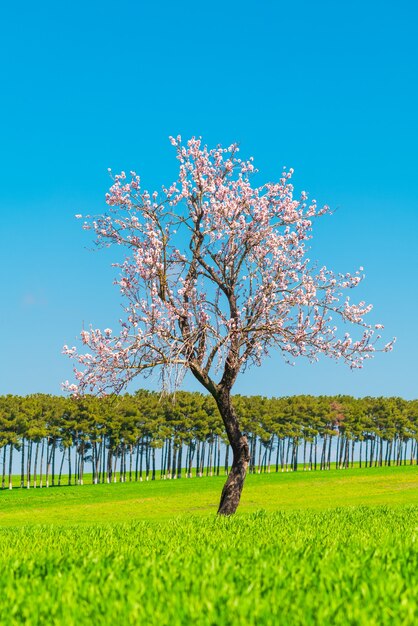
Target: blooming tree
(216,278)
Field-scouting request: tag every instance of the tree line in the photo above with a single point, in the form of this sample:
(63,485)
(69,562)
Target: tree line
(145,435)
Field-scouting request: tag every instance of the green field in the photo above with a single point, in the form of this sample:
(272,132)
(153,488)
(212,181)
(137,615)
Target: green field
(336,547)
(164,499)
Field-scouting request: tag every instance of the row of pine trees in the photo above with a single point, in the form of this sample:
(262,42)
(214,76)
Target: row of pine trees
(146,435)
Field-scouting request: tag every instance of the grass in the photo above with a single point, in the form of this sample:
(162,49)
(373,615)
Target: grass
(329,548)
(164,499)
(346,566)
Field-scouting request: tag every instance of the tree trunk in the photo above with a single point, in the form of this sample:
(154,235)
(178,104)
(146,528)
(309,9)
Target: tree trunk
(29,460)
(153,464)
(104,459)
(174,460)
(209,465)
(69,465)
(192,449)
(10,466)
(35,467)
(198,459)
(54,448)
(148,458)
(41,464)
(61,466)
(179,460)
(137,461)
(337,452)
(169,456)
(109,464)
(3,478)
(270,454)
(22,465)
(231,493)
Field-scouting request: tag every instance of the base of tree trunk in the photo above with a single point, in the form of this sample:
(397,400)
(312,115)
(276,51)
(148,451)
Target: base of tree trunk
(231,493)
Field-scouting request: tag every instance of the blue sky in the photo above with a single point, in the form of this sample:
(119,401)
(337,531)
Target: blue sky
(327,88)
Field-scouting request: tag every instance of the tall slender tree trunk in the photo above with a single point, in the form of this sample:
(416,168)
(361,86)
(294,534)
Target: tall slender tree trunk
(174,468)
(209,465)
(3,474)
(22,465)
(141,459)
(168,470)
(264,460)
(277,454)
(202,459)
(213,469)
(98,462)
(390,444)
(164,460)
(115,463)
(97,453)
(381,452)
(122,456)
(252,445)
(287,454)
(179,460)
(153,463)
(82,457)
(270,454)
(41,464)
(54,448)
(295,453)
(69,465)
(109,464)
(188,459)
(28,475)
(35,466)
(324,445)
(338,450)
(10,466)
(104,458)
(191,457)
(329,453)
(347,455)
(372,445)
(61,466)
(94,462)
(198,459)
(147,458)
(137,461)
(341,452)
(260,448)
